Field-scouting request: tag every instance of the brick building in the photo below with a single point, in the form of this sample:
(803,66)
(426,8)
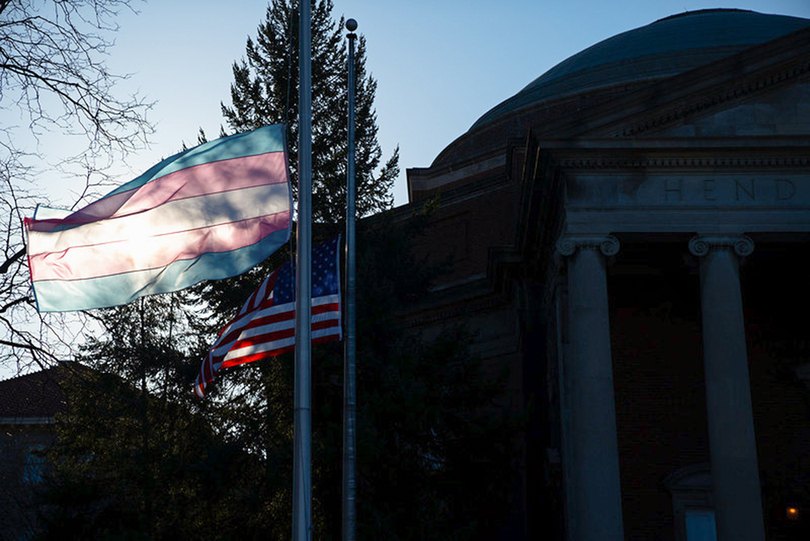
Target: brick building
(28,405)
(628,234)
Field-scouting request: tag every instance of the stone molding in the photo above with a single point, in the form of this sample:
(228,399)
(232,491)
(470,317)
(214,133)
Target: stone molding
(742,245)
(680,162)
(567,245)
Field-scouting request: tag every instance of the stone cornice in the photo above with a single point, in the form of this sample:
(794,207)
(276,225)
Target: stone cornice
(603,162)
(678,153)
(428,179)
(444,198)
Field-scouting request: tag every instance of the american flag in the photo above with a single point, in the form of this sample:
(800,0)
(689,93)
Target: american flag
(265,325)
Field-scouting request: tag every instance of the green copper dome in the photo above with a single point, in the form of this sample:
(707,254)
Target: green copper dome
(664,48)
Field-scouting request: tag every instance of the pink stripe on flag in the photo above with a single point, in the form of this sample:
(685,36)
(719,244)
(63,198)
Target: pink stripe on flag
(82,262)
(205,179)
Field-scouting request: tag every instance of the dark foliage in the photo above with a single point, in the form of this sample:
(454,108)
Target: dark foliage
(133,461)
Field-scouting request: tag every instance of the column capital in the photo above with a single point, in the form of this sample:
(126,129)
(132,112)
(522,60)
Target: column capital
(567,245)
(700,245)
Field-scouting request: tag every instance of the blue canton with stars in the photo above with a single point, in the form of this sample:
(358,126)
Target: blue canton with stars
(325,278)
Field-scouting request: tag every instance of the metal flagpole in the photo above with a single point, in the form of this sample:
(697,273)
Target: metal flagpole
(302,466)
(349,399)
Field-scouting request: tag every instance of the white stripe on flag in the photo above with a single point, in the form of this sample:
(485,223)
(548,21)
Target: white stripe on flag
(220,349)
(183,215)
(275,344)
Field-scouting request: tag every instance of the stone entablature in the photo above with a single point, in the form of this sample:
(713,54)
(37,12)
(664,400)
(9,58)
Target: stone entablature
(682,186)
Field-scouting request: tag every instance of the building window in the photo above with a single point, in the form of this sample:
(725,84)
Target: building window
(34,466)
(692,503)
(700,525)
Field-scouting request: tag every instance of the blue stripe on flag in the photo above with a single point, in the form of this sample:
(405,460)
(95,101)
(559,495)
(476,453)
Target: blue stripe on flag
(261,141)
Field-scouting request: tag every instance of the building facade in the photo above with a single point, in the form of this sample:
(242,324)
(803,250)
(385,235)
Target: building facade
(628,235)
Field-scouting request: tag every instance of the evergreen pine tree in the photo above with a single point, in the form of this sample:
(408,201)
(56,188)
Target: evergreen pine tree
(265,91)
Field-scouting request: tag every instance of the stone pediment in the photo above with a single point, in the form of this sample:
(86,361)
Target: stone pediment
(769,79)
(781,113)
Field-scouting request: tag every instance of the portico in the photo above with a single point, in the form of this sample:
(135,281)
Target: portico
(721,197)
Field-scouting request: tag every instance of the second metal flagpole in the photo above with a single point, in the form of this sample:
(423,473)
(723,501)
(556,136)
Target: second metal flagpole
(349,399)
(302,462)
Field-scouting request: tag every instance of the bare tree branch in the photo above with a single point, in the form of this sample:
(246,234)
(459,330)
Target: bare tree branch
(10,261)
(54,79)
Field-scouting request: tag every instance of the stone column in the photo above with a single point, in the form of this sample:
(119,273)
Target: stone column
(732,445)
(596,492)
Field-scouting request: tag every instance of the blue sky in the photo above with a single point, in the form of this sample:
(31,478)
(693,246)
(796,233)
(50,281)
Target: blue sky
(439,64)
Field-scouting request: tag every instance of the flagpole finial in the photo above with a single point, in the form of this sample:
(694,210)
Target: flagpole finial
(351,25)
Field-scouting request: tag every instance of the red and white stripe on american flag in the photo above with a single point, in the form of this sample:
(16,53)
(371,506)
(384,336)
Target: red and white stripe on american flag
(265,325)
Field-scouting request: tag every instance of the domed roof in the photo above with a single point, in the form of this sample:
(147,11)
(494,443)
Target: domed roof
(664,48)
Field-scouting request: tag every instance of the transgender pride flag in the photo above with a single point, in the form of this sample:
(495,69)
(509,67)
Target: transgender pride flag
(211,212)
